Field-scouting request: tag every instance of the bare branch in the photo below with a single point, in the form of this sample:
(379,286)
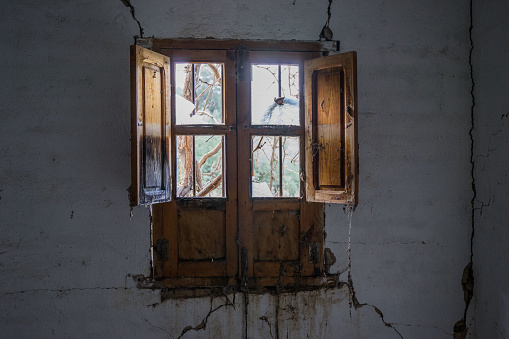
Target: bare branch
(209,154)
(213,184)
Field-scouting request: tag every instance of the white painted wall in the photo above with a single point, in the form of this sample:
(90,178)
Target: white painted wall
(68,244)
(490,313)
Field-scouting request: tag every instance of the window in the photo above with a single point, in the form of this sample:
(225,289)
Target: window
(237,145)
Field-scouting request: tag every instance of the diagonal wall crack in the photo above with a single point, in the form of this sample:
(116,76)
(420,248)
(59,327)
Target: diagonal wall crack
(352,298)
(128,4)
(203,324)
(355,303)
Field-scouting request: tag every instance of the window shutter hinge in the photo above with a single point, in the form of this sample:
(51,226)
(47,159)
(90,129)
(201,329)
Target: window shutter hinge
(162,249)
(314,253)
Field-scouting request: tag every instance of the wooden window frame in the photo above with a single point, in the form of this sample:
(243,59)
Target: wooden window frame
(239,265)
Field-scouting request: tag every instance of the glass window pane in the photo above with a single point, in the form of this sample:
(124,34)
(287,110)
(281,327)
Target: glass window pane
(291,165)
(185,172)
(265,170)
(274,94)
(199,99)
(205,178)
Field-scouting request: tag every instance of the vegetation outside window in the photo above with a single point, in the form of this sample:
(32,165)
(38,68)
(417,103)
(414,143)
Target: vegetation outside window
(237,145)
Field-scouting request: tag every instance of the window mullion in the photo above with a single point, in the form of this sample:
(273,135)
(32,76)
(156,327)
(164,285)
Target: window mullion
(194,165)
(280,165)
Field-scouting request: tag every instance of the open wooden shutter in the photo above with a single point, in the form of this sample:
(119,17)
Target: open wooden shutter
(331,129)
(150,127)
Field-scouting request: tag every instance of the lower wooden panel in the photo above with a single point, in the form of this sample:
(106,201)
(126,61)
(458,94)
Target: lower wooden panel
(194,282)
(202,269)
(276,235)
(201,234)
(277,269)
(302,282)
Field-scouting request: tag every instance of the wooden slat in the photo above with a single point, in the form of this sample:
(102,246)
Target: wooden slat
(195,282)
(197,56)
(197,129)
(280,269)
(274,130)
(253,45)
(275,204)
(230,170)
(293,282)
(202,269)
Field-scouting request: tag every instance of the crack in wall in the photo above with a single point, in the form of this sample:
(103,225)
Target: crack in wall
(424,326)
(352,298)
(203,324)
(64,290)
(128,4)
(265,319)
(467,279)
(353,301)
(160,328)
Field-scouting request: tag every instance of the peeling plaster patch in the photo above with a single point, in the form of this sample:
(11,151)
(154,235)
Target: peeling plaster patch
(329,259)
(127,3)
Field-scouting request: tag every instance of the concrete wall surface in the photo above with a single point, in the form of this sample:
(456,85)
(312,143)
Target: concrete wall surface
(69,247)
(490,311)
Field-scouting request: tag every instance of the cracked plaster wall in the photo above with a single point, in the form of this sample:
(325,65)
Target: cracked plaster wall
(68,244)
(490,311)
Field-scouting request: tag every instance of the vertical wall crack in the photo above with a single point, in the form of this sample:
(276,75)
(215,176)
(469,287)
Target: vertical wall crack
(352,298)
(467,279)
(128,4)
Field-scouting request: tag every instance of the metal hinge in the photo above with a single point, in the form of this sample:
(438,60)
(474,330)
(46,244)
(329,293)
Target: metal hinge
(162,249)
(314,253)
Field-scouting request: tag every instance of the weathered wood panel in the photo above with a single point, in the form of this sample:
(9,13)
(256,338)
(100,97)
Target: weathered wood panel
(201,235)
(150,127)
(329,116)
(331,129)
(276,235)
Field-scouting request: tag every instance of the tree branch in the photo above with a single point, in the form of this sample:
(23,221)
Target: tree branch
(209,154)
(213,184)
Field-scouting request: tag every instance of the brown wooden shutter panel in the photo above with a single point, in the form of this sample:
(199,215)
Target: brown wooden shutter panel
(331,129)
(150,127)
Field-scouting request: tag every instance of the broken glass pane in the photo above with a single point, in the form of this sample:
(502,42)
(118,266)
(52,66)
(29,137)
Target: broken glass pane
(274,94)
(199,94)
